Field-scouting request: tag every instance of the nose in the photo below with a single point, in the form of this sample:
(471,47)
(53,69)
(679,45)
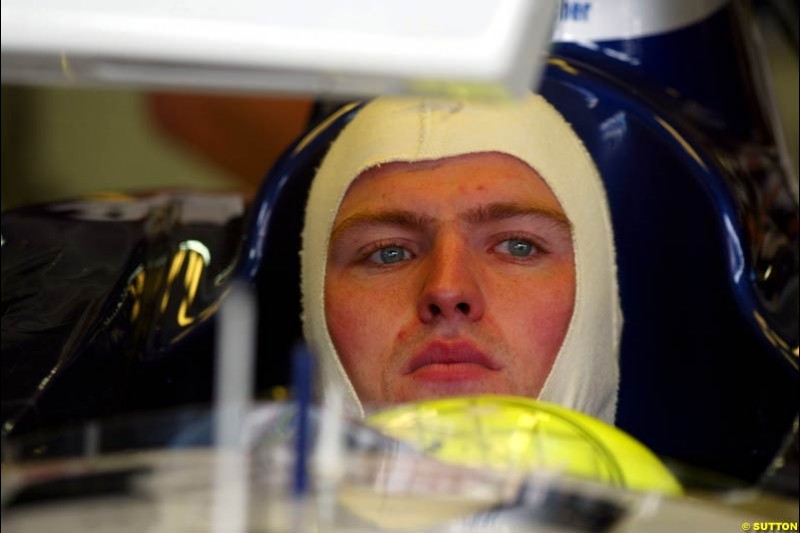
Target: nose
(451,287)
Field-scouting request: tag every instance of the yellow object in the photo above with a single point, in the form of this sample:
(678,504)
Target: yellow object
(505,432)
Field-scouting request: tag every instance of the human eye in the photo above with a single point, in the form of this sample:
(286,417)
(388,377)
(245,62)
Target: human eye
(518,248)
(388,254)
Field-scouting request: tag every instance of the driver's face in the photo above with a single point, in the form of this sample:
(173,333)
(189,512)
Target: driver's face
(447,278)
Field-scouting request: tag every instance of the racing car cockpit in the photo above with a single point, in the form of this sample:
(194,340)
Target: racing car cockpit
(110,304)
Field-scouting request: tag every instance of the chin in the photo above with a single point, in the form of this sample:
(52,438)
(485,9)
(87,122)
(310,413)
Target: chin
(447,389)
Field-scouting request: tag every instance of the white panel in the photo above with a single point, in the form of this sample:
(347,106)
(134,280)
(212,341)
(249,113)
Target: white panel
(310,46)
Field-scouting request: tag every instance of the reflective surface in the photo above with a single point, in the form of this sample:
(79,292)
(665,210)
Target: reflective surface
(100,300)
(509,433)
(174,481)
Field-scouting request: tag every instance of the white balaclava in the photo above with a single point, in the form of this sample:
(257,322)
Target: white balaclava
(585,374)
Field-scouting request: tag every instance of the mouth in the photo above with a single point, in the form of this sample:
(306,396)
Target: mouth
(450,361)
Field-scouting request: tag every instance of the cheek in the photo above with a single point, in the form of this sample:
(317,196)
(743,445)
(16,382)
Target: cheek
(361,320)
(540,311)
(345,321)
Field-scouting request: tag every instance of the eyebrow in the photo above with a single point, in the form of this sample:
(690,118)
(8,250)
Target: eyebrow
(501,211)
(478,215)
(395,217)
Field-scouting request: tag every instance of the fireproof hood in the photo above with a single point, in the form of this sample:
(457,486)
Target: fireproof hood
(585,374)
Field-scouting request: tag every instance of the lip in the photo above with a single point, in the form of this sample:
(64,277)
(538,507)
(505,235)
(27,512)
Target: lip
(454,356)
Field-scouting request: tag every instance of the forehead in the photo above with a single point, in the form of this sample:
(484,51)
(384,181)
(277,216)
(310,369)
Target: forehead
(449,184)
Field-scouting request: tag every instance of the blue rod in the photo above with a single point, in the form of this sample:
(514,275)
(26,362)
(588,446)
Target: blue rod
(302,367)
